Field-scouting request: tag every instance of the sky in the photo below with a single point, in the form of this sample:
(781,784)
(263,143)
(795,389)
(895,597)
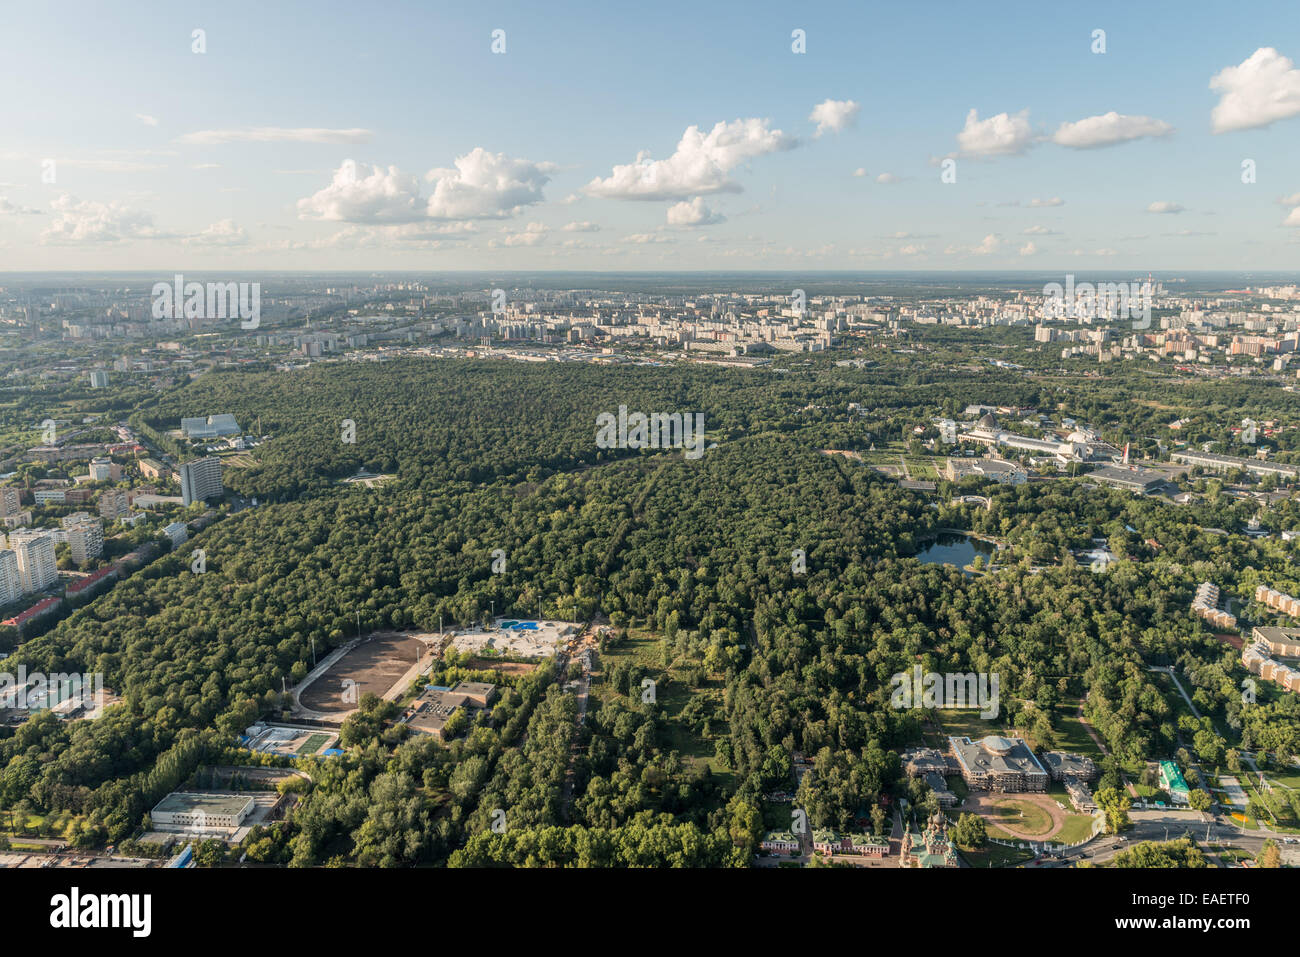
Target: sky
(597,136)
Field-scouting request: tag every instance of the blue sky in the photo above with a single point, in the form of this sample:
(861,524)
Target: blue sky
(390,136)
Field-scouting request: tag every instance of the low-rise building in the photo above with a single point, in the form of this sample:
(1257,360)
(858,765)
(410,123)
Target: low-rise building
(996,763)
(1281,642)
(201,811)
(1171,779)
(779,842)
(999,470)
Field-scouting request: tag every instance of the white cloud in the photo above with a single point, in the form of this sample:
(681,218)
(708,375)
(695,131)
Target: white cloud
(833,116)
(274,134)
(8,208)
(362,194)
(1107,130)
(146,119)
(700,164)
(1044,203)
(403,236)
(1263,88)
(76,221)
(860,171)
(582,227)
(888,179)
(482,185)
(641,239)
(693,213)
(531,235)
(1164,206)
(987,246)
(1028,249)
(1039,231)
(223,233)
(486,185)
(1000,135)
(1293,218)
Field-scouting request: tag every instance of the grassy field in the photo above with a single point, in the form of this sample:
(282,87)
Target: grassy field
(995,855)
(1071,735)
(1024,816)
(1078,827)
(966,722)
(313,744)
(673,694)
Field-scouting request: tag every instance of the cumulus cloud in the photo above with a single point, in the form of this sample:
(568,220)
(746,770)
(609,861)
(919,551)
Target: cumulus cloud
(700,164)
(582,227)
(76,221)
(833,116)
(485,185)
(222,233)
(9,208)
(481,185)
(1262,89)
(530,235)
(424,235)
(364,194)
(1000,135)
(274,134)
(641,239)
(1108,129)
(1164,206)
(146,119)
(888,179)
(987,246)
(1028,249)
(1044,203)
(693,213)
(1293,218)
(860,171)
(1039,231)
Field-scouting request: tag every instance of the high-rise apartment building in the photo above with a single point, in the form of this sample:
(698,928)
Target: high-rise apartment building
(34,550)
(200,479)
(10,502)
(11,587)
(114,503)
(85,537)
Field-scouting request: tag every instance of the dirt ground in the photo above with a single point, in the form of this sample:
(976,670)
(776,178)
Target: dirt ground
(374,665)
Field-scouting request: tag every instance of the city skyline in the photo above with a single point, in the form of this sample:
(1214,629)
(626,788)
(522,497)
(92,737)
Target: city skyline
(717,146)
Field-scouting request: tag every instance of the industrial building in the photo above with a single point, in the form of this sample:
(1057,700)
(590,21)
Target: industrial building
(209,427)
(193,810)
(1130,478)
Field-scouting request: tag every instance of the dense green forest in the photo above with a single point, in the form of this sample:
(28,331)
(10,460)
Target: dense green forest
(692,559)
